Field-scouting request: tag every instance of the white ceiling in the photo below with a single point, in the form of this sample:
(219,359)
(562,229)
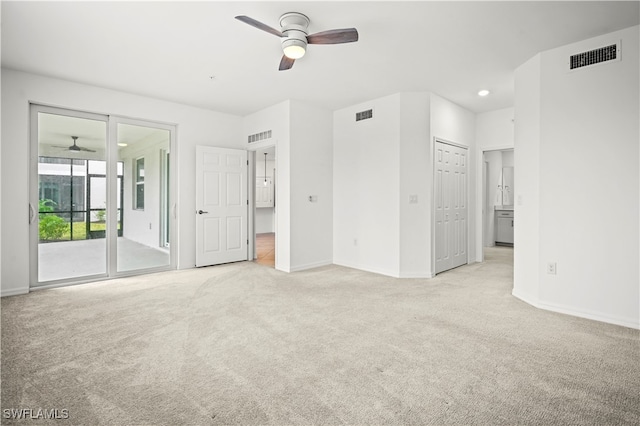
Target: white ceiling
(170,50)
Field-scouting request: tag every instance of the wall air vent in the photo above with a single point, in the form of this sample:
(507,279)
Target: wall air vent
(364,115)
(595,56)
(259,136)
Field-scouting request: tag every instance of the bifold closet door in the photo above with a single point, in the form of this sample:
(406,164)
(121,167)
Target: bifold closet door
(450,198)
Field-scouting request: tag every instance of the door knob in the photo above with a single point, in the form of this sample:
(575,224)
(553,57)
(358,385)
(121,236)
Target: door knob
(202,212)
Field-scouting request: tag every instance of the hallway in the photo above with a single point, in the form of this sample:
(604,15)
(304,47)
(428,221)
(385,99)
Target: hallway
(266,249)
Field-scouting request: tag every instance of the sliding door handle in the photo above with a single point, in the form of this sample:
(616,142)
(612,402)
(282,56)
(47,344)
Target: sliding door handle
(32,213)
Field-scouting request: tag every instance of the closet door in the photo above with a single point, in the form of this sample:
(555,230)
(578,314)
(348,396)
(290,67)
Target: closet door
(450,199)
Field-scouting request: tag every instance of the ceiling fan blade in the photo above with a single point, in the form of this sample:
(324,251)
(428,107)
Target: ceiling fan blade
(286,63)
(85,149)
(259,25)
(345,35)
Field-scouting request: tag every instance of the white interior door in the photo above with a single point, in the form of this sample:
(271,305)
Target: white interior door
(221,205)
(450,166)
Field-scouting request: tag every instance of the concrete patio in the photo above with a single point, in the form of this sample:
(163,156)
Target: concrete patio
(73,259)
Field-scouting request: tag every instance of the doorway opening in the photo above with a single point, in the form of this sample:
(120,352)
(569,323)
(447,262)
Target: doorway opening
(96,195)
(498,198)
(265,206)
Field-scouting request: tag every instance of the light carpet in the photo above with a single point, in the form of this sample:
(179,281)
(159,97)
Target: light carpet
(245,344)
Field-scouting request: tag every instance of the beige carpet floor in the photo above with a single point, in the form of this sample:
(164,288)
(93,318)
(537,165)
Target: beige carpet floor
(246,344)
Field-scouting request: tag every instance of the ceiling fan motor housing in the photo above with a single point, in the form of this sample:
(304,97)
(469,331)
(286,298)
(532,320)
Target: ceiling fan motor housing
(294,27)
(294,21)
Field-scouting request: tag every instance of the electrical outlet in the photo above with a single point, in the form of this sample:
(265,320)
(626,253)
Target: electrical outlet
(551,268)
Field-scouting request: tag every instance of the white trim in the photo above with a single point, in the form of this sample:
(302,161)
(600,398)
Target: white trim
(14,292)
(447,142)
(427,275)
(568,310)
(312,265)
(385,272)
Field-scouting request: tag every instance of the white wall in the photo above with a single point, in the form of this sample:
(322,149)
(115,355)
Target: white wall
(494,129)
(143,226)
(508,158)
(265,220)
(366,187)
(450,122)
(415,180)
(526,264)
(276,119)
(265,216)
(311,154)
(195,127)
(302,136)
(378,164)
(587,140)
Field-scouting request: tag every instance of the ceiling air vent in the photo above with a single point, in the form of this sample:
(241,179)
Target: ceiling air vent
(596,56)
(259,136)
(364,115)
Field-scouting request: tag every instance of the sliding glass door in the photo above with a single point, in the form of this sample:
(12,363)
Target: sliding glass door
(69,147)
(100,196)
(141,149)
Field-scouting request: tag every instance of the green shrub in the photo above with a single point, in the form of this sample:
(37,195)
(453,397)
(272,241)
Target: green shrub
(50,226)
(46,205)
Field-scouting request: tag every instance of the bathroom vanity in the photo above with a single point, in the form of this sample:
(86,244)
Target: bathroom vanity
(504,226)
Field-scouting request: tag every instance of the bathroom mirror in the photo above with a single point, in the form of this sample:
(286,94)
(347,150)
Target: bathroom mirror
(507,186)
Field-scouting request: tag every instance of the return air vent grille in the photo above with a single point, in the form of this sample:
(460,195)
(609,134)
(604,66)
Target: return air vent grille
(259,136)
(364,115)
(592,57)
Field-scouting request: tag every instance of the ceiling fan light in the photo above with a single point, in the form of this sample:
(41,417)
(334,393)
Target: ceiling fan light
(294,49)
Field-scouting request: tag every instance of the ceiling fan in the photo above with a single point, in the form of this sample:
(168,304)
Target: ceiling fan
(295,36)
(75,146)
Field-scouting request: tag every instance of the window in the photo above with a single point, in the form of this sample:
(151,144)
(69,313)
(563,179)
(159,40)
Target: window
(138,193)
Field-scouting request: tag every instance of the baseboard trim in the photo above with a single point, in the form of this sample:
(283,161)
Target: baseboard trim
(310,266)
(426,275)
(14,292)
(367,269)
(568,310)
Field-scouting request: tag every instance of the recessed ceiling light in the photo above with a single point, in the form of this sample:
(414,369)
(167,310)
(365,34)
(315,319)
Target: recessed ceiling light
(483,92)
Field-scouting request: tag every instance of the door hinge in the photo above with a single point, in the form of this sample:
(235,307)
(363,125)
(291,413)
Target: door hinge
(247,241)
(247,162)
(247,202)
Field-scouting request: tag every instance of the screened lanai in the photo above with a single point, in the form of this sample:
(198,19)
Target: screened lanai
(102,203)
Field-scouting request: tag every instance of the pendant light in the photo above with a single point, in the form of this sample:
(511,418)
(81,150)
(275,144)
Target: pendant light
(265,169)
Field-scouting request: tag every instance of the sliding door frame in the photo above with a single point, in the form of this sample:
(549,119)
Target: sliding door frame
(171,187)
(34,151)
(111,158)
